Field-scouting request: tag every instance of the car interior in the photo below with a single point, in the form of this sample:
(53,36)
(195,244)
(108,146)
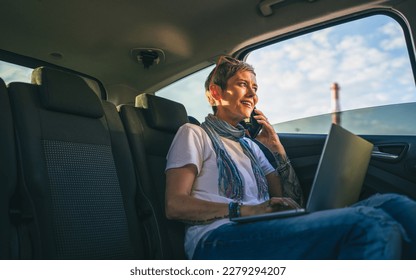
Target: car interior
(84,138)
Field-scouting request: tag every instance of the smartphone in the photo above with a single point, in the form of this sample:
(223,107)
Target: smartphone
(252,126)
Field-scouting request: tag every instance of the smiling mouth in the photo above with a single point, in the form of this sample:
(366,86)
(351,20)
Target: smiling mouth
(248,104)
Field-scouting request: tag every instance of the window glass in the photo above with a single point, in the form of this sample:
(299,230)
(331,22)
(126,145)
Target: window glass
(366,58)
(14,73)
(190,92)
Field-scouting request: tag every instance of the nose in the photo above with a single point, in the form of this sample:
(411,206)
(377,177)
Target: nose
(252,91)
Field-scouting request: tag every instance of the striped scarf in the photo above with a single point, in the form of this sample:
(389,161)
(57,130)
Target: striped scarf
(230,183)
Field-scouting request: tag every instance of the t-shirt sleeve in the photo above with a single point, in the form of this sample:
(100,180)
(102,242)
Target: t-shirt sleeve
(186,148)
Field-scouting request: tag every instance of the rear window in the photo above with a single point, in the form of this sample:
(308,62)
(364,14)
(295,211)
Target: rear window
(10,72)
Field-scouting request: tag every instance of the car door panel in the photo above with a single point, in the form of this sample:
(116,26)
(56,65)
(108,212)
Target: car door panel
(391,169)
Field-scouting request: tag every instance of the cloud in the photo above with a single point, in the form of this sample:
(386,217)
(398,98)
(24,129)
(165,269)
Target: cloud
(393,36)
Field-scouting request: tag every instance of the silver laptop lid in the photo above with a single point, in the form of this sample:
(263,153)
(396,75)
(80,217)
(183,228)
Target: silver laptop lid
(341,171)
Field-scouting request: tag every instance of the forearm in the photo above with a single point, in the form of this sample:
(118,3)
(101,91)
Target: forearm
(289,181)
(195,211)
(181,205)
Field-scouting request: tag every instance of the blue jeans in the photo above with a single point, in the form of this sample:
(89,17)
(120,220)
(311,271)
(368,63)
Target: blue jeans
(380,227)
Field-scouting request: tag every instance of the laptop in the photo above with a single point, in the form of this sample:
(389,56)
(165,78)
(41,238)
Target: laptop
(338,178)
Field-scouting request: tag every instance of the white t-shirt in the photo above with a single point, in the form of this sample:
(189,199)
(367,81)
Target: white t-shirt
(192,145)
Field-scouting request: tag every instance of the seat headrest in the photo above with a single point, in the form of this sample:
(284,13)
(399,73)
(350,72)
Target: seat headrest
(66,92)
(162,113)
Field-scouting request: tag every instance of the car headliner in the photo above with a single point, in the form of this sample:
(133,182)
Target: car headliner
(97,37)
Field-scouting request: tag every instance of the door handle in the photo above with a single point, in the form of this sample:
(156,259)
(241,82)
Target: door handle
(382,155)
(389,152)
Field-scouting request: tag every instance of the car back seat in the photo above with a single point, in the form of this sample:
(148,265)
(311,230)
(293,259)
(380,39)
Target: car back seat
(81,196)
(137,204)
(151,127)
(7,172)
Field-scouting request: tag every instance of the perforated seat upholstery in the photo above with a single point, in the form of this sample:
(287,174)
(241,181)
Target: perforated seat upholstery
(81,194)
(7,172)
(151,128)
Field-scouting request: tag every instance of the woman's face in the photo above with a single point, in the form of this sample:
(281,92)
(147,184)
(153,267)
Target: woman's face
(237,101)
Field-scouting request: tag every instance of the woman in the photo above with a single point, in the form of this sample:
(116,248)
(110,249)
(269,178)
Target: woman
(213,173)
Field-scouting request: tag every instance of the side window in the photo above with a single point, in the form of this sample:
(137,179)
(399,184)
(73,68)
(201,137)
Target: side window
(14,73)
(190,92)
(357,74)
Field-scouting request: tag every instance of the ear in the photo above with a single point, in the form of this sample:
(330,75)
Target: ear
(215,91)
